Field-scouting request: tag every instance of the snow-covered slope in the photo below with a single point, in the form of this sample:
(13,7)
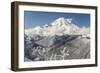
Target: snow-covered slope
(60,26)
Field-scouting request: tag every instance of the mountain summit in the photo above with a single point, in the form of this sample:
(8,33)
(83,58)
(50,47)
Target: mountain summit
(62,21)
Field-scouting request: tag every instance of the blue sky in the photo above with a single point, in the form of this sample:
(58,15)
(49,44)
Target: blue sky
(37,18)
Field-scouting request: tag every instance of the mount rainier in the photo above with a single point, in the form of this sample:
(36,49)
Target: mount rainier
(62,39)
(60,26)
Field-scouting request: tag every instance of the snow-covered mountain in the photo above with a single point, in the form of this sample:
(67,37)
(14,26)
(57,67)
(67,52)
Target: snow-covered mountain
(62,39)
(60,26)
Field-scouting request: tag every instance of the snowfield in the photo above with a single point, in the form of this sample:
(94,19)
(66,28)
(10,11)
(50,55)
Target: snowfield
(62,39)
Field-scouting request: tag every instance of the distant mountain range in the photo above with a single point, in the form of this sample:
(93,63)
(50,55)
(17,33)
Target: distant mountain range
(56,40)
